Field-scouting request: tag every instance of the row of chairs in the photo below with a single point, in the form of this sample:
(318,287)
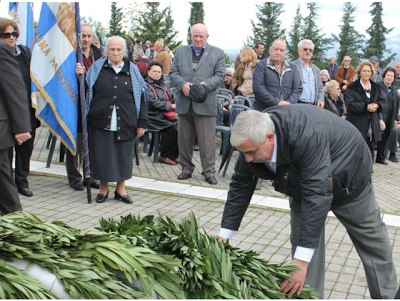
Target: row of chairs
(237,104)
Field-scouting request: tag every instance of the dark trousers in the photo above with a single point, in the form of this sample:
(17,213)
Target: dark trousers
(383,145)
(169,143)
(23,155)
(72,162)
(9,198)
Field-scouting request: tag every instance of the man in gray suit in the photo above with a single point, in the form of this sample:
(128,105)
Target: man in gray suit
(313,90)
(14,125)
(199,63)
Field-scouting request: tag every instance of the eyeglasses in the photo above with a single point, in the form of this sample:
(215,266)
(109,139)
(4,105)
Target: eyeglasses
(7,35)
(308,49)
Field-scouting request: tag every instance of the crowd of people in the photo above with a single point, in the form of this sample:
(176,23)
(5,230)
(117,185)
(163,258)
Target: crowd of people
(312,132)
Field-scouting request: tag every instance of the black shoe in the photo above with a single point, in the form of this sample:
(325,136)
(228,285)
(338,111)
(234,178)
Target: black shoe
(77,186)
(25,192)
(382,162)
(125,198)
(393,158)
(184,176)
(212,180)
(101,198)
(196,148)
(95,184)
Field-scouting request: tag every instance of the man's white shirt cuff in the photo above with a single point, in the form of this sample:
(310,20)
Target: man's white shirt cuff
(226,233)
(304,254)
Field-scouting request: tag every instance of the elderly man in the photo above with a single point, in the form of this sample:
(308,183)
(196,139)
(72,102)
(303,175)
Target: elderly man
(164,58)
(275,81)
(332,68)
(199,63)
(378,75)
(310,76)
(345,74)
(320,170)
(91,53)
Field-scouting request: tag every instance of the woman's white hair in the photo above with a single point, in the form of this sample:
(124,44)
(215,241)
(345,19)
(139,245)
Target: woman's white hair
(117,38)
(252,125)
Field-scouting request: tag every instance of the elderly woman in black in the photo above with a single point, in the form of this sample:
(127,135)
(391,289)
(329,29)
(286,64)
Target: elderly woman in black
(117,113)
(161,103)
(364,103)
(334,99)
(390,113)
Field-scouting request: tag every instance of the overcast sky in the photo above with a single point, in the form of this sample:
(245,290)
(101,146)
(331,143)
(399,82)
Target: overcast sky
(229,24)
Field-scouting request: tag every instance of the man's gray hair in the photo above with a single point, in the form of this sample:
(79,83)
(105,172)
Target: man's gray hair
(305,41)
(252,125)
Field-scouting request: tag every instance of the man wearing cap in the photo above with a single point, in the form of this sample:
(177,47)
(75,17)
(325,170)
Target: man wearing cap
(194,65)
(378,75)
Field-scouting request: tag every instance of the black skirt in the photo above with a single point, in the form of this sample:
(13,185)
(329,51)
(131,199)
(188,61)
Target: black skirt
(111,160)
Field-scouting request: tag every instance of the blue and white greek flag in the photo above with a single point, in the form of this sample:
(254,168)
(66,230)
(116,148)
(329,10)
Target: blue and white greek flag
(55,84)
(22,14)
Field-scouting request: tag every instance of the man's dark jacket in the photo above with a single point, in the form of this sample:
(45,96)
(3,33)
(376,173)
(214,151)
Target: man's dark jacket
(322,162)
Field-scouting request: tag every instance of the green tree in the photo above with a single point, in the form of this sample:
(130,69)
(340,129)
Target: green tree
(313,32)
(116,21)
(269,27)
(156,23)
(377,31)
(350,40)
(196,16)
(294,35)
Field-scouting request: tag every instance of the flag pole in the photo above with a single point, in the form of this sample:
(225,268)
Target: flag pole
(86,161)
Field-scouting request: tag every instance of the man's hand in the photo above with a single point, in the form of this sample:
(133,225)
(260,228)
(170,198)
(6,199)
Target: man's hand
(296,282)
(283,103)
(320,104)
(222,239)
(79,69)
(140,132)
(22,137)
(186,88)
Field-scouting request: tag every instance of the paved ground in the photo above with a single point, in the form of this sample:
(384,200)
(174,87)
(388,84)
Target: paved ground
(264,229)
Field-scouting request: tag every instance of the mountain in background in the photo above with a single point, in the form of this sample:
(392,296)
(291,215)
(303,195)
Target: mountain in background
(392,44)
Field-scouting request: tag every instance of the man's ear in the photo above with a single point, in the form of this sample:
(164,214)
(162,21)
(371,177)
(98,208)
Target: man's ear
(269,136)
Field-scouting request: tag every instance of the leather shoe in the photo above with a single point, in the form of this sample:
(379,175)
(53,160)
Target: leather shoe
(393,159)
(166,160)
(95,184)
(212,180)
(125,198)
(381,162)
(184,176)
(100,198)
(77,186)
(25,192)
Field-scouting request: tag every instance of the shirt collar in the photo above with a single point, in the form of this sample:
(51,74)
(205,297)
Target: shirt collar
(198,52)
(117,69)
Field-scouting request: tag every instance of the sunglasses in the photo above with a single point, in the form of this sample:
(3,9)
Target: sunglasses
(7,35)
(308,49)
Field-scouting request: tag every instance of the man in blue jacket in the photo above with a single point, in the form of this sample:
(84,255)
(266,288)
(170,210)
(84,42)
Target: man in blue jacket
(322,163)
(275,81)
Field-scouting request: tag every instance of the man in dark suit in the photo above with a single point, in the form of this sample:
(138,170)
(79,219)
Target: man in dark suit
(15,125)
(91,53)
(332,68)
(199,63)
(259,49)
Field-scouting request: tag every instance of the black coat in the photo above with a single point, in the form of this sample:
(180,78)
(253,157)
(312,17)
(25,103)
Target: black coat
(357,101)
(322,162)
(157,105)
(390,110)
